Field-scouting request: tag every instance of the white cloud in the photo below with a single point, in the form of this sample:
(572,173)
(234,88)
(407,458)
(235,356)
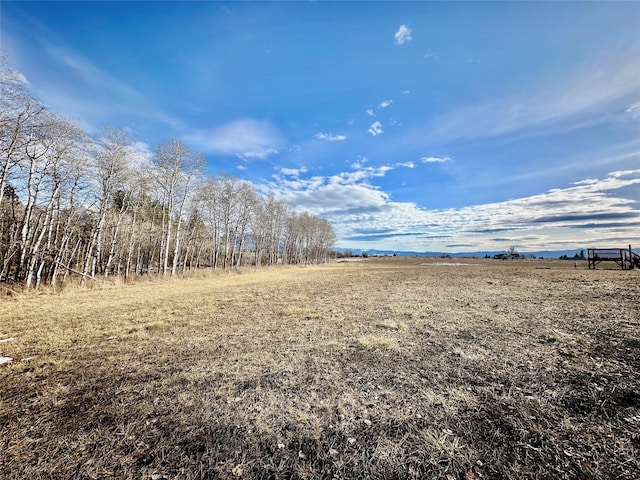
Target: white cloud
(624,173)
(405,92)
(143,147)
(13,76)
(375,129)
(260,154)
(370,112)
(385,104)
(586,181)
(293,172)
(365,216)
(344,191)
(429,55)
(359,163)
(140,154)
(403,35)
(330,137)
(435,159)
(634,110)
(245,138)
(408,164)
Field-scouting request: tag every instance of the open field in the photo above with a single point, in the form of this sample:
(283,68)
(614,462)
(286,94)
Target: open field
(386,368)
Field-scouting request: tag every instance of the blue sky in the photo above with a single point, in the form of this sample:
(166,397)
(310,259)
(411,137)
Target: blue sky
(409,125)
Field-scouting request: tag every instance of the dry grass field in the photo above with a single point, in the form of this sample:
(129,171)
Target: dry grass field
(387,368)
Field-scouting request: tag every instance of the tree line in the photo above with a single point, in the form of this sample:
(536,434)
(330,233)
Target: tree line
(76,206)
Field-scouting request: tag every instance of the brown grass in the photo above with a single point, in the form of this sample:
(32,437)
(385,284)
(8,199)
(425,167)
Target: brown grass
(389,368)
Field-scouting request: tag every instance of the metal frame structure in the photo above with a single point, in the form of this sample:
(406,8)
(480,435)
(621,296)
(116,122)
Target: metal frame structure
(626,258)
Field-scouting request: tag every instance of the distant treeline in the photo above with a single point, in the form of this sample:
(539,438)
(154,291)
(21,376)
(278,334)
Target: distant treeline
(76,206)
(577,256)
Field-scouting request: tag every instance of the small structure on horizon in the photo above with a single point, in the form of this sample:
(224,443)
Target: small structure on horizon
(507,256)
(626,258)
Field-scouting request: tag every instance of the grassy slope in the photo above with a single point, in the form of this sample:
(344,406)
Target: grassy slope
(382,369)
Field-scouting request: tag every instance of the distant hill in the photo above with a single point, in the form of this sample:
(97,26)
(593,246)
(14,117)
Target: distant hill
(481,254)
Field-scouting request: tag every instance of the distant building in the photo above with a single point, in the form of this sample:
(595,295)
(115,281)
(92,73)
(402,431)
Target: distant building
(507,256)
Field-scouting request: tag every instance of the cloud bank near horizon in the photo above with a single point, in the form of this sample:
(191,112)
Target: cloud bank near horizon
(598,208)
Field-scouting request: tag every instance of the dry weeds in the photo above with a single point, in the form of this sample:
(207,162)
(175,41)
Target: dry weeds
(389,368)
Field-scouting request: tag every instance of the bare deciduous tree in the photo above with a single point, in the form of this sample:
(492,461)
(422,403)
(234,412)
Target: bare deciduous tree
(75,206)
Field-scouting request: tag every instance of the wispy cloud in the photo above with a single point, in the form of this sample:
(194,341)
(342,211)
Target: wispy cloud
(579,98)
(88,92)
(88,72)
(246,138)
(435,159)
(429,55)
(634,110)
(370,112)
(330,137)
(385,104)
(375,129)
(403,35)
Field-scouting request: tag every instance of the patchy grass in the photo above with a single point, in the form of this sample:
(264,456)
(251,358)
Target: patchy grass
(389,368)
(373,342)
